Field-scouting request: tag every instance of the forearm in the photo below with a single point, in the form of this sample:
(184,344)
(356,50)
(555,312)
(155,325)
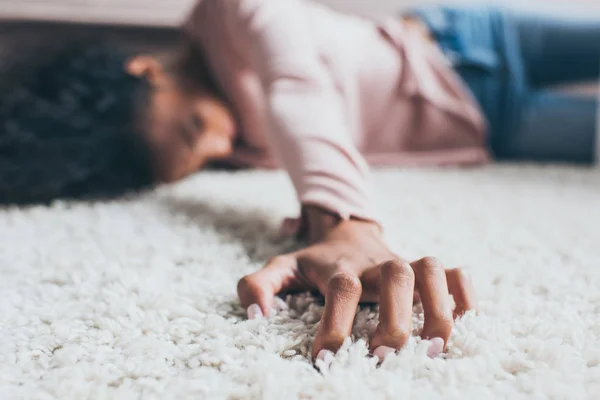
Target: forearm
(308,130)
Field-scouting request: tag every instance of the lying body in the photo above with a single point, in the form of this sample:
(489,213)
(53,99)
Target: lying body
(294,85)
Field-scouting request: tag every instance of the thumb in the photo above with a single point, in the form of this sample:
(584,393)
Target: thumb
(257,290)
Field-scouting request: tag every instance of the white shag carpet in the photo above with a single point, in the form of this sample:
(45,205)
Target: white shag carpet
(136,299)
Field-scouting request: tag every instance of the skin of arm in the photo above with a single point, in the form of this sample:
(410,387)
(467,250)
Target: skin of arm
(347,259)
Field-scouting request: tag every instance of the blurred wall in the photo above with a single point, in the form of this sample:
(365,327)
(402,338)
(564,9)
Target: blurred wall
(375,7)
(151,24)
(170,12)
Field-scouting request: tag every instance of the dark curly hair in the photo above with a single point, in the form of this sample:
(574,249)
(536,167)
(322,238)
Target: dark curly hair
(68,124)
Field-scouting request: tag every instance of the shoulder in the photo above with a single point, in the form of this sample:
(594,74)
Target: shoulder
(208,13)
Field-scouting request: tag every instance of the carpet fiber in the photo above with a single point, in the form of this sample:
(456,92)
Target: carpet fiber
(136,298)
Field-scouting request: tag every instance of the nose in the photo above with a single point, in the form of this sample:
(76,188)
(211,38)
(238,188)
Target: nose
(217,118)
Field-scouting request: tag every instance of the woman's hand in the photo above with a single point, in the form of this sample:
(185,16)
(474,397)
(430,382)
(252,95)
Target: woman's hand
(349,263)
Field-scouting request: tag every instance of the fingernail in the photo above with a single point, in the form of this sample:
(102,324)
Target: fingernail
(326,356)
(382,351)
(254,312)
(435,347)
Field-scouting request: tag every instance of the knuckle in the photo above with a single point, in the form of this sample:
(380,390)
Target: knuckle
(345,282)
(398,272)
(247,283)
(458,279)
(243,283)
(430,265)
(461,275)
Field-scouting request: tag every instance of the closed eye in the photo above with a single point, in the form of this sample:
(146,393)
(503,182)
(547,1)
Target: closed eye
(195,123)
(192,129)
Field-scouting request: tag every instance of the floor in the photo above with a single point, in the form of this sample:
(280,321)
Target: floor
(136,298)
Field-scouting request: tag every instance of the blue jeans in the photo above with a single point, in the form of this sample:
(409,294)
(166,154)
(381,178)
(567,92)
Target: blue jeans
(511,61)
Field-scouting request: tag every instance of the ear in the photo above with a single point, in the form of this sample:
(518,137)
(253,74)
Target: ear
(144,67)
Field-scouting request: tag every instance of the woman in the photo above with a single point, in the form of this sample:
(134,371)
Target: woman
(292,84)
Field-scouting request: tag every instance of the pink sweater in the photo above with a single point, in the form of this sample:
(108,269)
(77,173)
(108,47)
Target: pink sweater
(322,94)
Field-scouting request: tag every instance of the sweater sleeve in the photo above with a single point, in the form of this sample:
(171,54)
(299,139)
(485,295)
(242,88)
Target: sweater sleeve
(308,130)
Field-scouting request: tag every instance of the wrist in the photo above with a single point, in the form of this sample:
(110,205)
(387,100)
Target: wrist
(317,223)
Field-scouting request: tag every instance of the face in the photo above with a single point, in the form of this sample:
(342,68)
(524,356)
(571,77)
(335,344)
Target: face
(185,129)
